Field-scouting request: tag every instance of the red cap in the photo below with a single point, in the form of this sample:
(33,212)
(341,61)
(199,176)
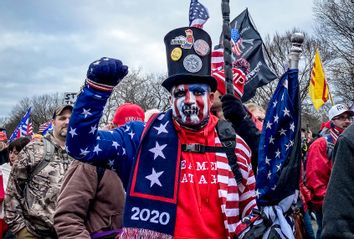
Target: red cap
(238,82)
(128,112)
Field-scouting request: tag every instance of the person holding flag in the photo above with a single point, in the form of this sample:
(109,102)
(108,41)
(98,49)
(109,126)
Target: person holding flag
(277,179)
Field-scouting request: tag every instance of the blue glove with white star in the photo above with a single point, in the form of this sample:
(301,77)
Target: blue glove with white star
(105,73)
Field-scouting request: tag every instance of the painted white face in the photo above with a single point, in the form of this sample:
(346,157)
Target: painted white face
(190,104)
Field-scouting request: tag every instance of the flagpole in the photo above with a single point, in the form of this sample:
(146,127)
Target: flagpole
(296,42)
(330,95)
(225,8)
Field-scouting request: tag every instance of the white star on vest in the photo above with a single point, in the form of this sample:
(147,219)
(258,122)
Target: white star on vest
(66,149)
(154,178)
(115,144)
(157,151)
(93,129)
(84,152)
(97,149)
(161,128)
(269,125)
(86,112)
(131,133)
(111,163)
(72,132)
(127,128)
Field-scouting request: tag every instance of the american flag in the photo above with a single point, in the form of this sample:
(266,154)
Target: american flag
(45,128)
(236,42)
(217,59)
(279,148)
(198,14)
(24,128)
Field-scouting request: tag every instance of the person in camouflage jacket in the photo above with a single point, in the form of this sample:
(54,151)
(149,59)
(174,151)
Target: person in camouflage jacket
(35,182)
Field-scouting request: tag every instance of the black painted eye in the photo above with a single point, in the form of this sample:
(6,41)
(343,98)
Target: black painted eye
(179,94)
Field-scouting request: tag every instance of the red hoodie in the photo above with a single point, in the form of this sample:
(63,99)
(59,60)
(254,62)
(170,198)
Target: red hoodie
(205,187)
(198,212)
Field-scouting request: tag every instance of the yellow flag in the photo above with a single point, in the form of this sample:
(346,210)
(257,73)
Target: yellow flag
(318,89)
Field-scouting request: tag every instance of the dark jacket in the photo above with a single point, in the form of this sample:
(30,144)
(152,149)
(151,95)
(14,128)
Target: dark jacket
(338,209)
(85,207)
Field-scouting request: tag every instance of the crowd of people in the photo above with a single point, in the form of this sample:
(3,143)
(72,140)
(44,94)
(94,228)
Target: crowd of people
(188,172)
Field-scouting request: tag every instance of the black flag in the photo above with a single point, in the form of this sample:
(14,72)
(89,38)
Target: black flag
(247,43)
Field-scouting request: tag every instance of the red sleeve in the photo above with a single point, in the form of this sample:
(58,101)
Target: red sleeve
(248,185)
(318,170)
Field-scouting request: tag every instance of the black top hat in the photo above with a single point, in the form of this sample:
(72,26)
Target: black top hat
(188,57)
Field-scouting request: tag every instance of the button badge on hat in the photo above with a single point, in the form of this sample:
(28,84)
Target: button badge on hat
(201,47)
(192,63)
(176,54)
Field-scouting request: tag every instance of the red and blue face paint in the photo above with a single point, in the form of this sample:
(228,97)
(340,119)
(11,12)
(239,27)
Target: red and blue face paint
(190,104)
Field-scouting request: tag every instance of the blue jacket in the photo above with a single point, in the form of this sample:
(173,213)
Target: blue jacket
(114,149)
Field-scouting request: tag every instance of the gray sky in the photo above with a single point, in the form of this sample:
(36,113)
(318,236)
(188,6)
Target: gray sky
(46,46)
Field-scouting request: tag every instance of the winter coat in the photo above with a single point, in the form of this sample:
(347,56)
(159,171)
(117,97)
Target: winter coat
(31,198)
(87,204)
(318,170)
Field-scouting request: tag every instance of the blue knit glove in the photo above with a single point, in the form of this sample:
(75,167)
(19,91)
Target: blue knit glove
(106,73)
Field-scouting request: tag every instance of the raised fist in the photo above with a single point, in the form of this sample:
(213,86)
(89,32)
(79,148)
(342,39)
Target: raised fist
(233,108)
(107,71)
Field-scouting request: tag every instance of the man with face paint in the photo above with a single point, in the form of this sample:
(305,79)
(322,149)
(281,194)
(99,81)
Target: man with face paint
(175,170)
(190,104)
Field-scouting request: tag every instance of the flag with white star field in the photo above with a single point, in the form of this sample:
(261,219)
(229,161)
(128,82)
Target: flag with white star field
(198,14)
(279,148)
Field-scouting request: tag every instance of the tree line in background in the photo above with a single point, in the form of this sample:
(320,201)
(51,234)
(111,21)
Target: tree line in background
(334,36)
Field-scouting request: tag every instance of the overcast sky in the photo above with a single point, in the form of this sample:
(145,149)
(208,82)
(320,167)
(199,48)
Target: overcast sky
(46,46)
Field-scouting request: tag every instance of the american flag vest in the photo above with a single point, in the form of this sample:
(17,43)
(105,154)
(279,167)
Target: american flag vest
(151,205)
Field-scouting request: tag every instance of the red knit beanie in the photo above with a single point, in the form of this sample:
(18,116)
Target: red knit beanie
(238,82)
(128,112)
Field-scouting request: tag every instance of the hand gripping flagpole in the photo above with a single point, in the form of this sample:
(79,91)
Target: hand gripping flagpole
(225,8)
(294,56)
